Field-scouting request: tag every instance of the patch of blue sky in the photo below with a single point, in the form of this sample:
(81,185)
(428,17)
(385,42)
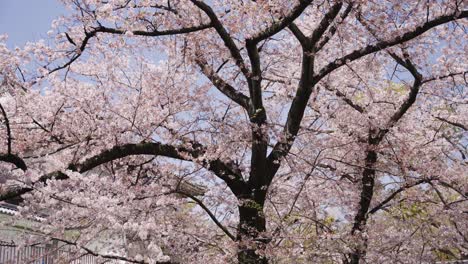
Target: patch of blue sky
(27,20)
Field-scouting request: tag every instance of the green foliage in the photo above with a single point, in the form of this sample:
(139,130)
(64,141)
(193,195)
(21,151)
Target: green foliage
(445,254)
(407,211)
(398,88)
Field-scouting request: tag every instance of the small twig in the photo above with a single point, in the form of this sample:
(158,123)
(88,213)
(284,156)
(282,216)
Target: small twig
(210,214)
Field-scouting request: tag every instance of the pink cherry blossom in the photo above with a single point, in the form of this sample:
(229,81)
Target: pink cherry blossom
(243,132)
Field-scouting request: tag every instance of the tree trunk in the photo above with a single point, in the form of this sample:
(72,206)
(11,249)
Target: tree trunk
(355,257)
(367,191)
(250,233)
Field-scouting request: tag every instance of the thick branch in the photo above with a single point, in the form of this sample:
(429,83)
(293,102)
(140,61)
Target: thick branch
(229,175)
(325,23)
(306,84)
(404,107)
(223,171)
(13,193)
(380,45)
(299,36)
(15,160)
(102,29)
(259,178)
(346,99)
(331,32)
(154,33)
(375,137)
(413,92)
(8,130)
(367,188)
(227,39)
(118,152)
(295,115)
(283,23)
(222,85)
(309,43)
(258,118)
(255,88)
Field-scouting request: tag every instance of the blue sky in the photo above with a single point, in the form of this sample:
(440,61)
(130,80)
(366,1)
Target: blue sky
(27,20)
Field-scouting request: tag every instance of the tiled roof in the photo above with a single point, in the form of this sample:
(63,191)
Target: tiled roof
(8,209)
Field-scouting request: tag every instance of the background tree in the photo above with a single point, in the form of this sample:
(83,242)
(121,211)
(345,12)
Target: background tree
(321,130)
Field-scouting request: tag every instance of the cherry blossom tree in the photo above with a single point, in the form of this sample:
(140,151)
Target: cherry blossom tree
(243,131)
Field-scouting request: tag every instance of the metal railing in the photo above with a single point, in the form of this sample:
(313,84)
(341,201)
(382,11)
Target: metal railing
(453,262)
(12,254)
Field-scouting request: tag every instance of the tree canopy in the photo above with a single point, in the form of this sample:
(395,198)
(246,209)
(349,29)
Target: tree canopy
(243,131)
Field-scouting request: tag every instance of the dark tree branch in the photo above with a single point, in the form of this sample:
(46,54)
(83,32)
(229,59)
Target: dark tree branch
(332,30)
(381,45)
(299,36)
(346,99)
(459,125)
(295,115)
(312,42)
(9,157)
(8,130)
(325,23)
(258,177)
(79,51)
(154,33)
(222,85)
(255,81)
(448,185)
(13,192)
(411,97)
(426,80)
(54,137)
(210,214)
(102,29)
(394,194)
(375,136)
(374,139)
(258,118)
(227,39)
(282,23)
(306,84)
(70,39)
(226,173)
(15,160)
(367,186)
(223,171)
